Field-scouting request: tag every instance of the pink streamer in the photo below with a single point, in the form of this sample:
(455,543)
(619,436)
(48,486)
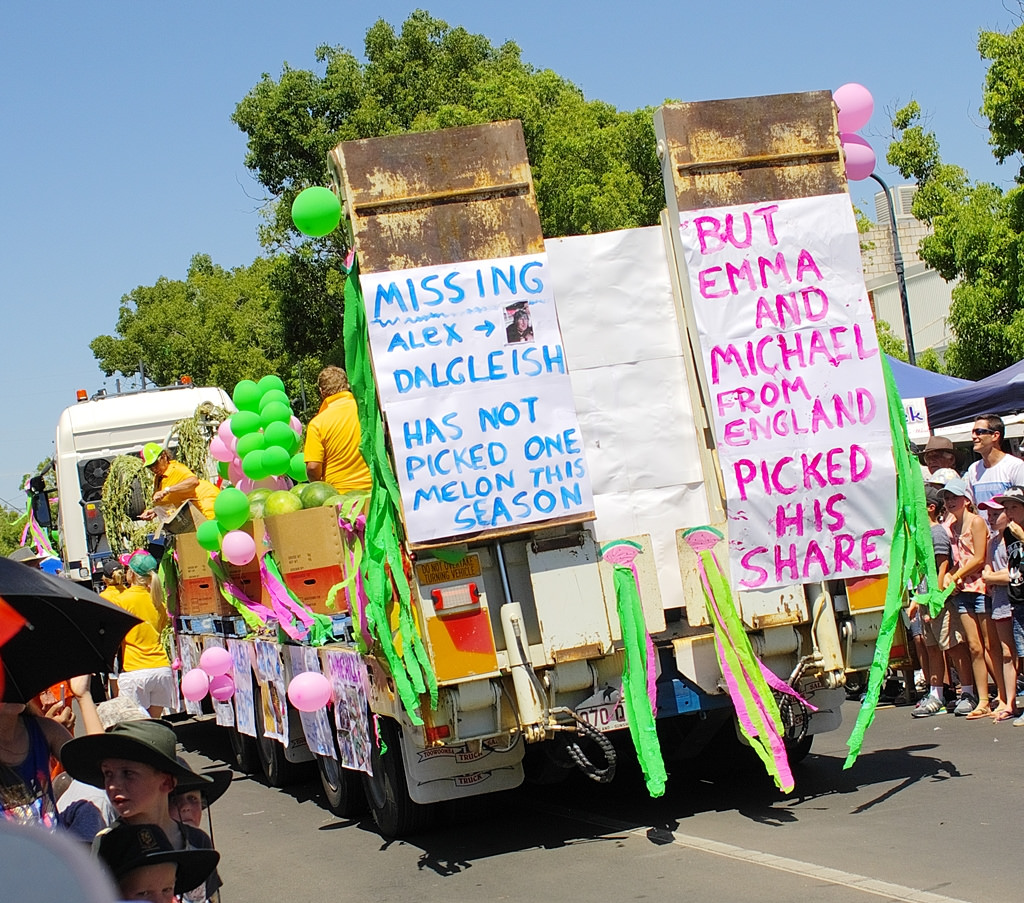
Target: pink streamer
(236,592)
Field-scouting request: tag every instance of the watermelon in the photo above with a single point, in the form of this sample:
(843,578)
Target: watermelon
(332,500)
(281,502)
(314,494)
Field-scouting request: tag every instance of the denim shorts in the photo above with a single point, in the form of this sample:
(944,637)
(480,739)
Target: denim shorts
(970,603)
(1018,629)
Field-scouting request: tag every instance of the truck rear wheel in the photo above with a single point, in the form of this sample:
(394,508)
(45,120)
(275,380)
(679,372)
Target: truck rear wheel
(342,788)
(274,765)
(387,792)
(244,755)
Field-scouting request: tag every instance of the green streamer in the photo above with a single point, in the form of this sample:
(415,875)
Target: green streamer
(383,565)
(740,659)
(636,702)
(912,559)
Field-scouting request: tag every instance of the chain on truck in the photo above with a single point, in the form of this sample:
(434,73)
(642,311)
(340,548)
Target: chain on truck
(561,492)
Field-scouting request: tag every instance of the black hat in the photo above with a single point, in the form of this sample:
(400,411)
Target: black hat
(125,847)
(152,742)
(212,784)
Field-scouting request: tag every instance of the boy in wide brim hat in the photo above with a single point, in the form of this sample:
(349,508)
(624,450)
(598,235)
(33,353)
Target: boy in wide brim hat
(146,866)
(136,763)
(190,797)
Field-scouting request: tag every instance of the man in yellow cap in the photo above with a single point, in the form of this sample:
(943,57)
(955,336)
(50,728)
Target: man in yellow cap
(174,483)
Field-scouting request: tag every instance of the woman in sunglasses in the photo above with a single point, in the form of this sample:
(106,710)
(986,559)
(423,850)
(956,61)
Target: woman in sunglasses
(996,471)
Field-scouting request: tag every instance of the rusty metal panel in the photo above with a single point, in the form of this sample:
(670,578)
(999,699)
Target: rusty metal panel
(439,197)
(750,149)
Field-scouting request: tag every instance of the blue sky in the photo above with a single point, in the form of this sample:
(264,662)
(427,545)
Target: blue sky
(119,160)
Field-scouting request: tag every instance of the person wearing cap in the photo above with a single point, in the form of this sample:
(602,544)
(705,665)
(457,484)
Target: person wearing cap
(939,478)
(332,438)
(999,638)
(174,484)
(941,634)
(146,675)
(1013,536)
(190,797)
(939,453)
(996,471)
(969,539)
(147,867)
(136,763)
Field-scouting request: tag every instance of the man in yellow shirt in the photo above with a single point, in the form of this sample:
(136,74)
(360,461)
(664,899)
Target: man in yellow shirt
(332,438)
(174,483)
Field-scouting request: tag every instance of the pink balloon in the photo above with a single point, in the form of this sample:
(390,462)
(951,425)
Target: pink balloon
(195,684)
(855,106)
(222,687)
(245,484)
(219,451)
(238,547)
(309,691)
(216,661)
(176,664)
(296,425)
(231,443)
(271,483)
(860,157)
(224,431)
(235,471)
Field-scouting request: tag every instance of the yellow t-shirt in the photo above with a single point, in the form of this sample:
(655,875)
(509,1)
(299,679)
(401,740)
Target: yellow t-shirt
(204,494)
(332,439)
(142,647)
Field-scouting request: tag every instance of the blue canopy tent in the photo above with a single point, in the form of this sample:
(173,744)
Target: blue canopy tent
(1001,393)
(914,382)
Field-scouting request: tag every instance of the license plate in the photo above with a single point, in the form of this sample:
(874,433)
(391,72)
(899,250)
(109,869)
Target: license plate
(437,571)
(607,716)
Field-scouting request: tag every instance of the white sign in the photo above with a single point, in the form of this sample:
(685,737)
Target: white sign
(916,411)
(795,389)
(472,376)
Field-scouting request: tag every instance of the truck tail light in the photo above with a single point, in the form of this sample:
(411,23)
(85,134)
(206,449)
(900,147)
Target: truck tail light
(456,600)
(435,734)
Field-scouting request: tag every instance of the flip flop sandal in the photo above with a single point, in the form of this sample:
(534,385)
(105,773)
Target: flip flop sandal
(978,714)
(1002,716)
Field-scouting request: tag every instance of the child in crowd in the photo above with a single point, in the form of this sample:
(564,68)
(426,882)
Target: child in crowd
(147,867)
(942,633)
(136,763)
(1012,501)
(969,539)
(190,797)
(999,636)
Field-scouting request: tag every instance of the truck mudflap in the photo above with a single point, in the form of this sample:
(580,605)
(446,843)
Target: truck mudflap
(468,769)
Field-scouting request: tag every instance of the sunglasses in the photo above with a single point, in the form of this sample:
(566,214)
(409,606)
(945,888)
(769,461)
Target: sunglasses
(981,431)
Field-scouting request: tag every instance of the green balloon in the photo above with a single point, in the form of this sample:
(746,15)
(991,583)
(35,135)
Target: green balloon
(253,466)
(272,395)
(222,470)
(208,535)
(275,411)
(316,211)
(270,381)
(246,396)
(281,435)
(250,442)
(297,468)
(244,422)
(276,460)
(231,508)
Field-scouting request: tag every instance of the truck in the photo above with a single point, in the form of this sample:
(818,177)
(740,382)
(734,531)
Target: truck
(533,585)
(90,434)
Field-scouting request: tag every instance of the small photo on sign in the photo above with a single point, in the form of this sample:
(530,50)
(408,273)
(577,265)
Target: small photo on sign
(518,327)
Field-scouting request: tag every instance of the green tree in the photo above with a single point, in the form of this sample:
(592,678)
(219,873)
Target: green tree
(217,326)
(890,343)
(979,229)
(594,168)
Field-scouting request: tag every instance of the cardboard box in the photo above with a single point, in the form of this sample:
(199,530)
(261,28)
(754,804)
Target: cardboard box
(311,588)
(306,540)
(193,559)
(183,519)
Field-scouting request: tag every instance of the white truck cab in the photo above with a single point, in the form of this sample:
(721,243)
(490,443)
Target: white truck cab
(92,433)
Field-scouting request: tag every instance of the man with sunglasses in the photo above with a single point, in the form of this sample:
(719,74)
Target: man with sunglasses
(996,471)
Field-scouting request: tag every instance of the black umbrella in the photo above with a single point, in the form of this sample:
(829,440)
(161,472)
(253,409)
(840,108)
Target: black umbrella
(70,631)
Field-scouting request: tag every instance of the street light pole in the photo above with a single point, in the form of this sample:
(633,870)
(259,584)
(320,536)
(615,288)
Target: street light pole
(897,259)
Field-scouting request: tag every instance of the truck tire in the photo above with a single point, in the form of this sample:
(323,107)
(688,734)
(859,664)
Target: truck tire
(274,765)
(342,788)
(244,755)
(798,750)
(387,793)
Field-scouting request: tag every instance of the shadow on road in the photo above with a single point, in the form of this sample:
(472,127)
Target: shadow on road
(726,778)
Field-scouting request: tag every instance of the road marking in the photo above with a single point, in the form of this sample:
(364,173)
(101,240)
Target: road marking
(839,877)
